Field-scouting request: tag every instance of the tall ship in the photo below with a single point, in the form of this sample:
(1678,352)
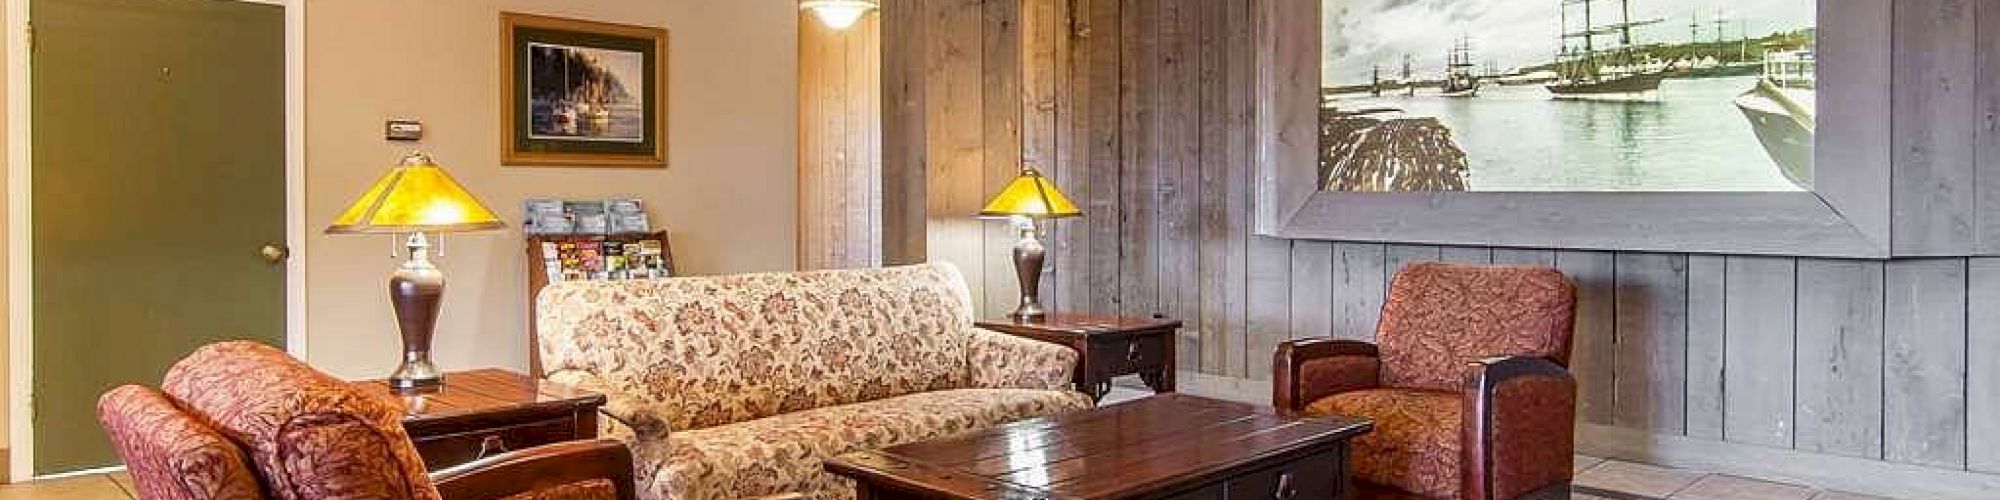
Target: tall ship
(1459,79)
(1586,70)
(1781,108)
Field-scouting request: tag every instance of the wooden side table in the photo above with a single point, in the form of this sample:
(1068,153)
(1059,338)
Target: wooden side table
(485,412)
(1107,347)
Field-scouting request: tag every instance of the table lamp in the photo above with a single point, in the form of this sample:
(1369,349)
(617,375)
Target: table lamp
(1029,198)
(416,197)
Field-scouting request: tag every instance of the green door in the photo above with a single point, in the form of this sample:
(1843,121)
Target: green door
(159,175)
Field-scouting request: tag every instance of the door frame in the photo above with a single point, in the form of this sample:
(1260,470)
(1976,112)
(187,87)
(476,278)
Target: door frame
(19,326)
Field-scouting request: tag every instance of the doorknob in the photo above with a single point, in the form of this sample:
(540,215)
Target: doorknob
(275,254)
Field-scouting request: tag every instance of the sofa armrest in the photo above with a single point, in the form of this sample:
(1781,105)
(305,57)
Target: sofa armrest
(1306,370)
(628,413)
(1002,361)
(1519,425)
(576,470)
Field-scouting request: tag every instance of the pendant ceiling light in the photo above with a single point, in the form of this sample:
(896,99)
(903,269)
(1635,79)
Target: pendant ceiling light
(839,14)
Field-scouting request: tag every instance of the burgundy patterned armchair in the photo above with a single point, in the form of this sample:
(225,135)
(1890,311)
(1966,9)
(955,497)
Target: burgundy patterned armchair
(241,420)
(1468,382)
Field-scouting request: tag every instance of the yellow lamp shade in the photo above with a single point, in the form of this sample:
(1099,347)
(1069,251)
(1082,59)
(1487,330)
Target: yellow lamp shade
(416,196)
(1032,196)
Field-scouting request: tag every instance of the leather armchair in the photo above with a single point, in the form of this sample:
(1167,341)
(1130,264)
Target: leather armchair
(240,420)
(1467,383)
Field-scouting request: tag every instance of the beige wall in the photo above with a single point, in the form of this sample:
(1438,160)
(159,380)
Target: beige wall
(729,194)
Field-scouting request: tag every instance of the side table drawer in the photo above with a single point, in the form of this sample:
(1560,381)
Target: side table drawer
(1311,477)
(1134,354)
(452,449)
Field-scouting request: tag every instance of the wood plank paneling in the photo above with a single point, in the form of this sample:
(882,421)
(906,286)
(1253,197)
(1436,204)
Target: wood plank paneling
(1312,289)
(1839,369)
(1982,354)
(1358,289)
(840,156)
(1707,276)
(1001,151)
(1524,256)
(1933,117)
(1757,350)
(905,144)
(1593,357)
(1986,131)
(1924,420)
(1651,315)
(1151,108)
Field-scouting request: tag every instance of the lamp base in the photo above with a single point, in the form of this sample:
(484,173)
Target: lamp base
(1028,258)
(416,374)
(416,290)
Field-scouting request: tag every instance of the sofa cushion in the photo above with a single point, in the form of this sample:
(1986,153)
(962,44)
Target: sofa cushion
(1415,445)
(311,436)
(716,350)
(170,455)
(783,454)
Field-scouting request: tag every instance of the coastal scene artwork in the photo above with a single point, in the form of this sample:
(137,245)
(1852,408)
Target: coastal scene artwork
(1567,95)
(585,93)
(582,93)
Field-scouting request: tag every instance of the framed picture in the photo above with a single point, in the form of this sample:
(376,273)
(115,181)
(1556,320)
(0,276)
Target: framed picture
(582,93)
(1704,126)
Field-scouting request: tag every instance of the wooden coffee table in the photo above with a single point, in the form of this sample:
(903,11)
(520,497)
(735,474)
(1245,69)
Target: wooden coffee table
(1168,446)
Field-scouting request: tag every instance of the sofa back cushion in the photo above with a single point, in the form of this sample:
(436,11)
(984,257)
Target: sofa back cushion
(311,436)
(170,455)
(717,350)
(1441,317)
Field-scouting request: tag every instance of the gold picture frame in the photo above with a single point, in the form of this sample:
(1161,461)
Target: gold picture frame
(578,93)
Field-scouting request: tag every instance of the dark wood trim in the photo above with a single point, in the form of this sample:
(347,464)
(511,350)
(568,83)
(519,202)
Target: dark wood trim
(1481,382)
(1286,392)
(539,468)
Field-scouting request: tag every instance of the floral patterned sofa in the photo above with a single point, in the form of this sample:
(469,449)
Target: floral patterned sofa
(741,386)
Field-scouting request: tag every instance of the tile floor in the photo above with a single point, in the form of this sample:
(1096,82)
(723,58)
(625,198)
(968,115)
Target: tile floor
(1597,479)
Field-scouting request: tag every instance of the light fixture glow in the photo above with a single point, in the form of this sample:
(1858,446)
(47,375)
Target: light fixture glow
(839,14)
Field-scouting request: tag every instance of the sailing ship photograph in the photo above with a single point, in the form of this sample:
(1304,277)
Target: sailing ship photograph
(1567,95)
(585,93)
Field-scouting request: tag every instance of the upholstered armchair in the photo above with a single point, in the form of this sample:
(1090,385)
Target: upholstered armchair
(244,421)
(1467,382)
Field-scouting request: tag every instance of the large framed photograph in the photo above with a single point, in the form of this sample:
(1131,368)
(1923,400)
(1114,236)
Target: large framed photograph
(582,93)
(1705,126)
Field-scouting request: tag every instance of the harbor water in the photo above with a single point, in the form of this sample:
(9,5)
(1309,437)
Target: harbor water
(1516,138)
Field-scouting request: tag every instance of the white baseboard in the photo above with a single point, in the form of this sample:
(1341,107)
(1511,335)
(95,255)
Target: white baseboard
(1859,475)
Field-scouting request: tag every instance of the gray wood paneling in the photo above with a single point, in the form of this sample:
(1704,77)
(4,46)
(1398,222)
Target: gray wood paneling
(1312,289)
(1924,419)
(1707,324)
(1839,367)
(1986,131)
(1933,117)
(1651,315)
(1594,353)
(1358,289)
(1757,350)
(1524,256)
(1772,351)
(1467,255)
(1982,355)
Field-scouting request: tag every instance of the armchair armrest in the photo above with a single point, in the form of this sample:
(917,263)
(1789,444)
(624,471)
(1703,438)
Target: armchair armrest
(1306,370)
(1520,426)
(1002,361)
(576,470)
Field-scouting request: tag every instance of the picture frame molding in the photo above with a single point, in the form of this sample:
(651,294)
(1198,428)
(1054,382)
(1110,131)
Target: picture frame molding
(510,155)
(1847,214)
